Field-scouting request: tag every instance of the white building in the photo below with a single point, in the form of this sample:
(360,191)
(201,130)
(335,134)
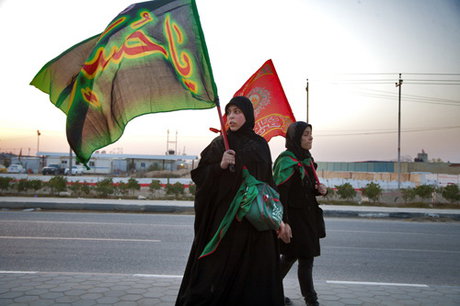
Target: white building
(101,163)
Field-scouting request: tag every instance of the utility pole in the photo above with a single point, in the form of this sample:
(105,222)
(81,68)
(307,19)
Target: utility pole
(399,84)
(38,141)
(308,102)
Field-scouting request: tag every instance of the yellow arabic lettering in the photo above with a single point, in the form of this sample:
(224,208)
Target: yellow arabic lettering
(145,18)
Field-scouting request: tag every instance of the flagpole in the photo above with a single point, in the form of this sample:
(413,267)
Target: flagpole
(314,172)
(308,102)
(223,133)
(222,125)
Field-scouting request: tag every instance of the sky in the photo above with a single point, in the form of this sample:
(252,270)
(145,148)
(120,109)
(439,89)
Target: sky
(350,51)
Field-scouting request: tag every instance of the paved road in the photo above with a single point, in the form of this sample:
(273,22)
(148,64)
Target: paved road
(391,251)
(354,250)
(94,242)
(359,256)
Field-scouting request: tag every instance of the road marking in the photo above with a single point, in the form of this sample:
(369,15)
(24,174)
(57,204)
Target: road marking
(376,284)
(18,272)
(157,275)
(95,223)
(388,232)
(79,239)
(94,273)
(394,249)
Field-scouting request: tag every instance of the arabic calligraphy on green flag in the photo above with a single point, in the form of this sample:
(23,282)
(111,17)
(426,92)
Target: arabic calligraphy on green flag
(151,58)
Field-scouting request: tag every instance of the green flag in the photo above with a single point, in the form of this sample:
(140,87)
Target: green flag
(151,58)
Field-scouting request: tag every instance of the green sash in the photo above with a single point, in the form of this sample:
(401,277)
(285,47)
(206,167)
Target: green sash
(285,165)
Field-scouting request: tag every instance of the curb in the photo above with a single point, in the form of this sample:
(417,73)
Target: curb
(96,207)
(140,206)
(391,215)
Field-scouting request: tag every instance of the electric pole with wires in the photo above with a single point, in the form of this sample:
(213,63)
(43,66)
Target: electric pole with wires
(399,84)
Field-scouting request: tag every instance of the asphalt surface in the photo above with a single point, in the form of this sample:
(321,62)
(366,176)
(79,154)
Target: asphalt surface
(50,288)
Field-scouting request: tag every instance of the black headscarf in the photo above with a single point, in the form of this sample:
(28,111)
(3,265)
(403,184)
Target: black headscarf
(247,129)
(245,139)
(293,138)
(246,107)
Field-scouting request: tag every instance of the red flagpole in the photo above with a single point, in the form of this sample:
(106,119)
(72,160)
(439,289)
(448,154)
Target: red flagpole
(314,172)
(222,126)
(224,133)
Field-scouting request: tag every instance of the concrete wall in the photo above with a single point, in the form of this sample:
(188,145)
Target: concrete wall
(387,181)
(376,166)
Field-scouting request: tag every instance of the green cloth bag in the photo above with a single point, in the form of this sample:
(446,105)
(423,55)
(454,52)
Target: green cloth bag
(262,207)
(256,201)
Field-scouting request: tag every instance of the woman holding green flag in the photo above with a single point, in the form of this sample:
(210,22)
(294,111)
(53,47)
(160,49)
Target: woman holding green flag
(295,177)
(243,267)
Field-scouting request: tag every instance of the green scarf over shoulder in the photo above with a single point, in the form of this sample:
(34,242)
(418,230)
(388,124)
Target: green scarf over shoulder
(238,208)
(285,166)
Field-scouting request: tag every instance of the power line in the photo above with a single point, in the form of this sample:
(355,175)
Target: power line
(415,99)
(369,73)
(431,83)
(389,81)
(415,96)
(362,82)
(429,80)
(409,98)
(392,81)
(369,80)
(397,73)
(377,77)
(431,73)
(382,132)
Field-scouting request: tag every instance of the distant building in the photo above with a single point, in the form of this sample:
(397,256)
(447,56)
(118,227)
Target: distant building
(128,164)
(118,164)
(421,157)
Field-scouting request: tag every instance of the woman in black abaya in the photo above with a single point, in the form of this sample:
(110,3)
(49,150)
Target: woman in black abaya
(244,269)
(295,177)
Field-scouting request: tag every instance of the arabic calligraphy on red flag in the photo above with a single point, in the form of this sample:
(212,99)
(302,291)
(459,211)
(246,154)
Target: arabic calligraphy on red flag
(272,111)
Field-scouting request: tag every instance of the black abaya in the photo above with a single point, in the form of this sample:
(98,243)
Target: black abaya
(244,270)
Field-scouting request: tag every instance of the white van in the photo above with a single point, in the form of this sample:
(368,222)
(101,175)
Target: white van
(16,168)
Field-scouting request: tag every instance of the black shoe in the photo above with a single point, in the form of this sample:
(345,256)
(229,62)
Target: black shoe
(287,301)
(311,299)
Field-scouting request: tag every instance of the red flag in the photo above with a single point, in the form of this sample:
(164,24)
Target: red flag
(272,111)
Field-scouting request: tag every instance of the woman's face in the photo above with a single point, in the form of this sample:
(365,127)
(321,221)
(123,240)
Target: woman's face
(306,140)
(235,118)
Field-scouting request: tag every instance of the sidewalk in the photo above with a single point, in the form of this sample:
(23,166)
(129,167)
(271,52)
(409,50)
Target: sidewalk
(170,206)
(126,289)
